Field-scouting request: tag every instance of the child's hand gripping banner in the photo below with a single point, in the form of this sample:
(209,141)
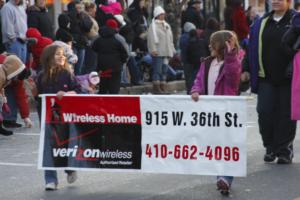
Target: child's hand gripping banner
(156,134)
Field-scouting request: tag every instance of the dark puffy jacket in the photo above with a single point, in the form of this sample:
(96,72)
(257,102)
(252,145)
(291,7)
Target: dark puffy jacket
(196,49)
(111,52)
(127,32)
(63,32)
(39,18)
(76,29)
(137,17)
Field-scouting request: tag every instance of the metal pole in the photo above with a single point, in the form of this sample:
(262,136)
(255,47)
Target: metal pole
(57,11)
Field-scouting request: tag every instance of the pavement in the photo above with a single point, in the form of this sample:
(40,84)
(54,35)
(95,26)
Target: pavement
(20,179)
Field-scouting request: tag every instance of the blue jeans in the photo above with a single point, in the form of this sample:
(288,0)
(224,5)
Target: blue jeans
(79,65)
(124,77)
(159,69)
(90,61)
(51,175)
(229,179)
(135,72)
(18,49)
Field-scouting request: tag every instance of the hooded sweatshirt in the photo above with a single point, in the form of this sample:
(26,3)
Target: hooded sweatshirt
(113,57)
(11,67)
(37,49)
(14,22)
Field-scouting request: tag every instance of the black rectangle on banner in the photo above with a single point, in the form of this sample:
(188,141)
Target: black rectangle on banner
(115,146)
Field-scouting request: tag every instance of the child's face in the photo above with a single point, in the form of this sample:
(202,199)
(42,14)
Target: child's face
(59,57)
(213,51)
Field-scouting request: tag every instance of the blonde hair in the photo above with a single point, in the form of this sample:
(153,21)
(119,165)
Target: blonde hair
(50,70)
(218,41)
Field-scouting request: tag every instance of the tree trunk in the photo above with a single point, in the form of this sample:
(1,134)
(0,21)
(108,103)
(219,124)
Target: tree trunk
(173,9)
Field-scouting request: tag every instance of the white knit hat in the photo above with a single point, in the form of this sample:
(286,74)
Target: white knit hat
(158,11)
(120,19)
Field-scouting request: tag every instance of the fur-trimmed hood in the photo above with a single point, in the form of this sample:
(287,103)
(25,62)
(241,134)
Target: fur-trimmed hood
(12,66)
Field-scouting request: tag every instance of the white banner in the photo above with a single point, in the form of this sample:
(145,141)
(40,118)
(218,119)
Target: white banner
(155,134)
(207,137)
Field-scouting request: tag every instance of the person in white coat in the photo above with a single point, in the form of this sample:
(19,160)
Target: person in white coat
(161,47)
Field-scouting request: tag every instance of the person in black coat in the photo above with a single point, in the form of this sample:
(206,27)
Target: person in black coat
(80,24)
(138,15)
(195,51)
(193,14)
(110,60)
(39,18)
(212,25)
(63,32)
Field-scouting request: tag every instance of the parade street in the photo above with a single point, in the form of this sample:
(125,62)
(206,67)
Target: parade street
(21,180)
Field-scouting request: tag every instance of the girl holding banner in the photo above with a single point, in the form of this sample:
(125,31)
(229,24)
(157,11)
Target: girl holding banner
(220,74)
(56,77)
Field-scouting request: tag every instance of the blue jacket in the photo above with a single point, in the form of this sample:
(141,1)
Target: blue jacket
(254,50)
(183,43)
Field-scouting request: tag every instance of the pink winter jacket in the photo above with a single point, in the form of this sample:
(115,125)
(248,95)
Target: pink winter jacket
(228,80)
(296,88)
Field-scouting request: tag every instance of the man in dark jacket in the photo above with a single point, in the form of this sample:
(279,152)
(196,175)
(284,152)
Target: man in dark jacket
(38,17)
(193,14)
(110,60)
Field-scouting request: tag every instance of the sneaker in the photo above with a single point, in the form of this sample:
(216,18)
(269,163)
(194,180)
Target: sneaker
(269,157)
(72,177)
(284,160)
(11,124)
(51,186)
(223,186)
(5,132)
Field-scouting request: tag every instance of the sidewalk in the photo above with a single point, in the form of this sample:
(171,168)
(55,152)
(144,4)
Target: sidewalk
(172,87)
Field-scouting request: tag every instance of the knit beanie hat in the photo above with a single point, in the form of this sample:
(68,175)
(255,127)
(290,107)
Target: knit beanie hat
(13,66)
(120,19)
(112,24)
(188,26)
(158,11)
(94,78)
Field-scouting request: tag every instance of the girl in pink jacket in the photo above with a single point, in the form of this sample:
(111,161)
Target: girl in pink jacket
(220,74)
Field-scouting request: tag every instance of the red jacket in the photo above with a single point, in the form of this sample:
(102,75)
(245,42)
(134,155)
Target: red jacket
(239,23)
(37,49)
